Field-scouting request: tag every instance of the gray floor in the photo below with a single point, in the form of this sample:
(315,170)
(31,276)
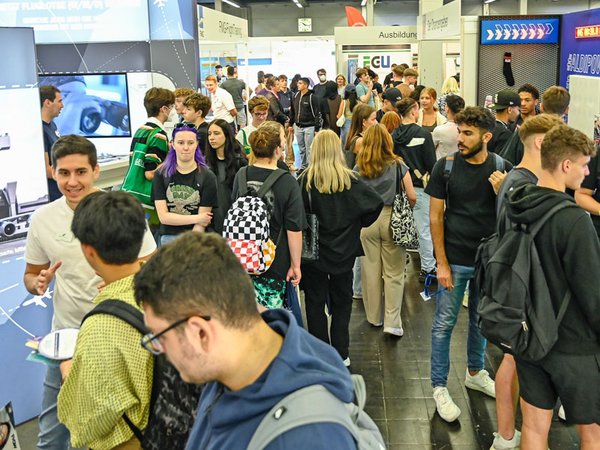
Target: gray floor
(399,392)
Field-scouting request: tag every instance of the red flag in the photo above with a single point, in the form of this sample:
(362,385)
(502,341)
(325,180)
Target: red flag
(355,18)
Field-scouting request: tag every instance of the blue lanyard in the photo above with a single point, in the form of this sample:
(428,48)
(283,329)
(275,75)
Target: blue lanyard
(428,280)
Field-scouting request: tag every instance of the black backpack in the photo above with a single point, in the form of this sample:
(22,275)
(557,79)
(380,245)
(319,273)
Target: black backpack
(515,306)
(173,402)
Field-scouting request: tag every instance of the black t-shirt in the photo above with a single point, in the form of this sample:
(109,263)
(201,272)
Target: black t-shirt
(378,87)
(470,205)
(202,136)
(51,135)
(592,182)
(185,194)
(223,192)
(285,208)
(501,135)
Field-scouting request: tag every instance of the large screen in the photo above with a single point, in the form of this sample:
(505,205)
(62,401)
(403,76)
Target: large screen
(95,105)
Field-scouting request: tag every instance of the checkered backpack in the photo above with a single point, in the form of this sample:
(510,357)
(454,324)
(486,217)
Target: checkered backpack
(246,225)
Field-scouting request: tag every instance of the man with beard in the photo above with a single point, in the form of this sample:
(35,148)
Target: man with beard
(462,212)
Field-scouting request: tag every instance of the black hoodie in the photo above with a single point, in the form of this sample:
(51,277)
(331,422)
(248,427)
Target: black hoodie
(415,146)
(570,256)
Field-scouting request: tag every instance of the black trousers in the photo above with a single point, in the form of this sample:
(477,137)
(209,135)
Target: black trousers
(335,290)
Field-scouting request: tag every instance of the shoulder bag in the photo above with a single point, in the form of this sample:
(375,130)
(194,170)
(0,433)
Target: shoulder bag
(310,236)
(402,221)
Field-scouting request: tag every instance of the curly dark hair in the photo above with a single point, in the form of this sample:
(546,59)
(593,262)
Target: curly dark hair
(476,116)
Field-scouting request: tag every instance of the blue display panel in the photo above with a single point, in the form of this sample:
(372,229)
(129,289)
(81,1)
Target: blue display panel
(580,45)
(95,105)
(65,22)
(525,31)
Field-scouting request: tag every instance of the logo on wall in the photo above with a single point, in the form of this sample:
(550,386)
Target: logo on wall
(377,62)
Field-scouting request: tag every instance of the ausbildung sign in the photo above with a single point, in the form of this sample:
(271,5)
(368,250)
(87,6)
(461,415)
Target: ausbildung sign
(522,31)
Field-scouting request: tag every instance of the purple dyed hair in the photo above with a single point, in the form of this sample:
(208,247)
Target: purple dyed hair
(170,165)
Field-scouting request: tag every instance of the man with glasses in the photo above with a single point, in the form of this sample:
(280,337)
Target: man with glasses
(110,374)
(259,110)
(201,307)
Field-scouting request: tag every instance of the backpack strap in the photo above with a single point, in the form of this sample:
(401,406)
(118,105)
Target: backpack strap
(134,317)
(270,181)
(244,137)
(242,181)
(449,163)
(298,409)
(499,162)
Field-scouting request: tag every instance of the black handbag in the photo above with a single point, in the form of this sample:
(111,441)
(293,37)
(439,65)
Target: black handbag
(310,236)
(402,220)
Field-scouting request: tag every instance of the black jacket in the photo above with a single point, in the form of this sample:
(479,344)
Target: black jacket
(415,146)
(513,150)
(569,253)
(501,135)
(306,111)
(341,216)
(275,109)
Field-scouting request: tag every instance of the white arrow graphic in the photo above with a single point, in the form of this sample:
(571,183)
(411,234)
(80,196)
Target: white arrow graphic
(515,31)
(498,34)
(523,31)
(532,31)
(549,28)
(490,35)
(541,32)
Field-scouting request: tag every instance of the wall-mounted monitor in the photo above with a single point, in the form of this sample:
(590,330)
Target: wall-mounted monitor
(95,105)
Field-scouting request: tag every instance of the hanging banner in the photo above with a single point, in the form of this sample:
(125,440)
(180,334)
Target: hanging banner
(441,23)
(520,31)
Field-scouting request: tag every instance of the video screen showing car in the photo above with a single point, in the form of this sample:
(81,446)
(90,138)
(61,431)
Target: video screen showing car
(95,105)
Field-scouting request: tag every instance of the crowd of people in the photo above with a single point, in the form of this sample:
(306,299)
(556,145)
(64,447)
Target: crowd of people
(466,171)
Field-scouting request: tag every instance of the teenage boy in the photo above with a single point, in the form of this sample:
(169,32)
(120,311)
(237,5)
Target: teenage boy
(462,212)
(195,109)
(532,134)
(364,89)
(110,374)
(181,94)
(569,254)
(390,97)
(306,119)
(221,101)
(51,106)
(212,333)
(52,251)
(409,82)
(506,104)
(259,110)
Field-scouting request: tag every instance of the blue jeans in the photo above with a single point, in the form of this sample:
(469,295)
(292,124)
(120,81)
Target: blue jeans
(344,132)
(446,312)
(166,238)
(53,434)
(305,137)
(421,214)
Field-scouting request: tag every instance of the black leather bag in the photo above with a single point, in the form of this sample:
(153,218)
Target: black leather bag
(310,236)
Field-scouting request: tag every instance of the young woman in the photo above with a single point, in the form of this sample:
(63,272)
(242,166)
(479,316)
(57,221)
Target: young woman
(333,102)
(341,83)
(224,156)
(343,205)
(429,117)
(286,214)
(347,105)
(184,189)
(380,168)
(450,87)
(363,117)
(391,120)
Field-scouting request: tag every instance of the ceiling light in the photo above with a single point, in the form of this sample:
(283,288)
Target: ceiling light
(484,1)
(363,3)
(232,3)
(300,3)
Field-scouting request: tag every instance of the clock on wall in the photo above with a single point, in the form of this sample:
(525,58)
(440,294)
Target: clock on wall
(304,25)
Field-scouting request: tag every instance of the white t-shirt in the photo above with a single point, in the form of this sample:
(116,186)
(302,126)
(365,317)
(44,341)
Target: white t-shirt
(445,139)
(50,240)
(222,103)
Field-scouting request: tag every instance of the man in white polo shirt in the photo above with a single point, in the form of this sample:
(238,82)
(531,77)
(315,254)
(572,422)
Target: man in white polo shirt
(222,102)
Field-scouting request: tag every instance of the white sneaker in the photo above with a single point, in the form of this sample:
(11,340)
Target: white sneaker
(481,382)
(394,331)
(347,362)
(502,444)
(446,407)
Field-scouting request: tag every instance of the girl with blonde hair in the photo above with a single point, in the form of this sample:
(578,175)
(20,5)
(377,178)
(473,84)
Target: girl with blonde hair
(343,204)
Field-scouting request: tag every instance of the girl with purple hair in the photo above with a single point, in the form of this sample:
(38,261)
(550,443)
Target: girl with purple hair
(184,189)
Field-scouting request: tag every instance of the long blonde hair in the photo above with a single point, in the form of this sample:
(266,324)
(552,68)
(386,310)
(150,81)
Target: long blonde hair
(327,170)
(377,152)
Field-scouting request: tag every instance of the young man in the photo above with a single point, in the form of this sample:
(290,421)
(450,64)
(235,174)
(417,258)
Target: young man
(195,109)
(51,104)
(415,145)
(396,76)
(569,254)
(110,374)
(530,97)
(306,119)
(410,81)
(212,333)
(258,106)
(506,104)
(237,89)
(462,212)
(390,97)
(532,134)
(286,97)
(53,252)
(445,136)
(219,73)
(364,89)
(181,94)
(221,101)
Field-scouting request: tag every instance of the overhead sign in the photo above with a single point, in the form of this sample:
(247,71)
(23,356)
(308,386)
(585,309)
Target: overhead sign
(375,35)
(216,26)
(525,31)
(590,31)
(441,23)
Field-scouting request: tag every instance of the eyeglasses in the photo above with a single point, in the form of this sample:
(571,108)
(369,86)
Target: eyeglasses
(184,125)
(260,114)
(151,341)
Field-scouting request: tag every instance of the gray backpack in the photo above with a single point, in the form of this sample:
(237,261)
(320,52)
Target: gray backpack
(315,404)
